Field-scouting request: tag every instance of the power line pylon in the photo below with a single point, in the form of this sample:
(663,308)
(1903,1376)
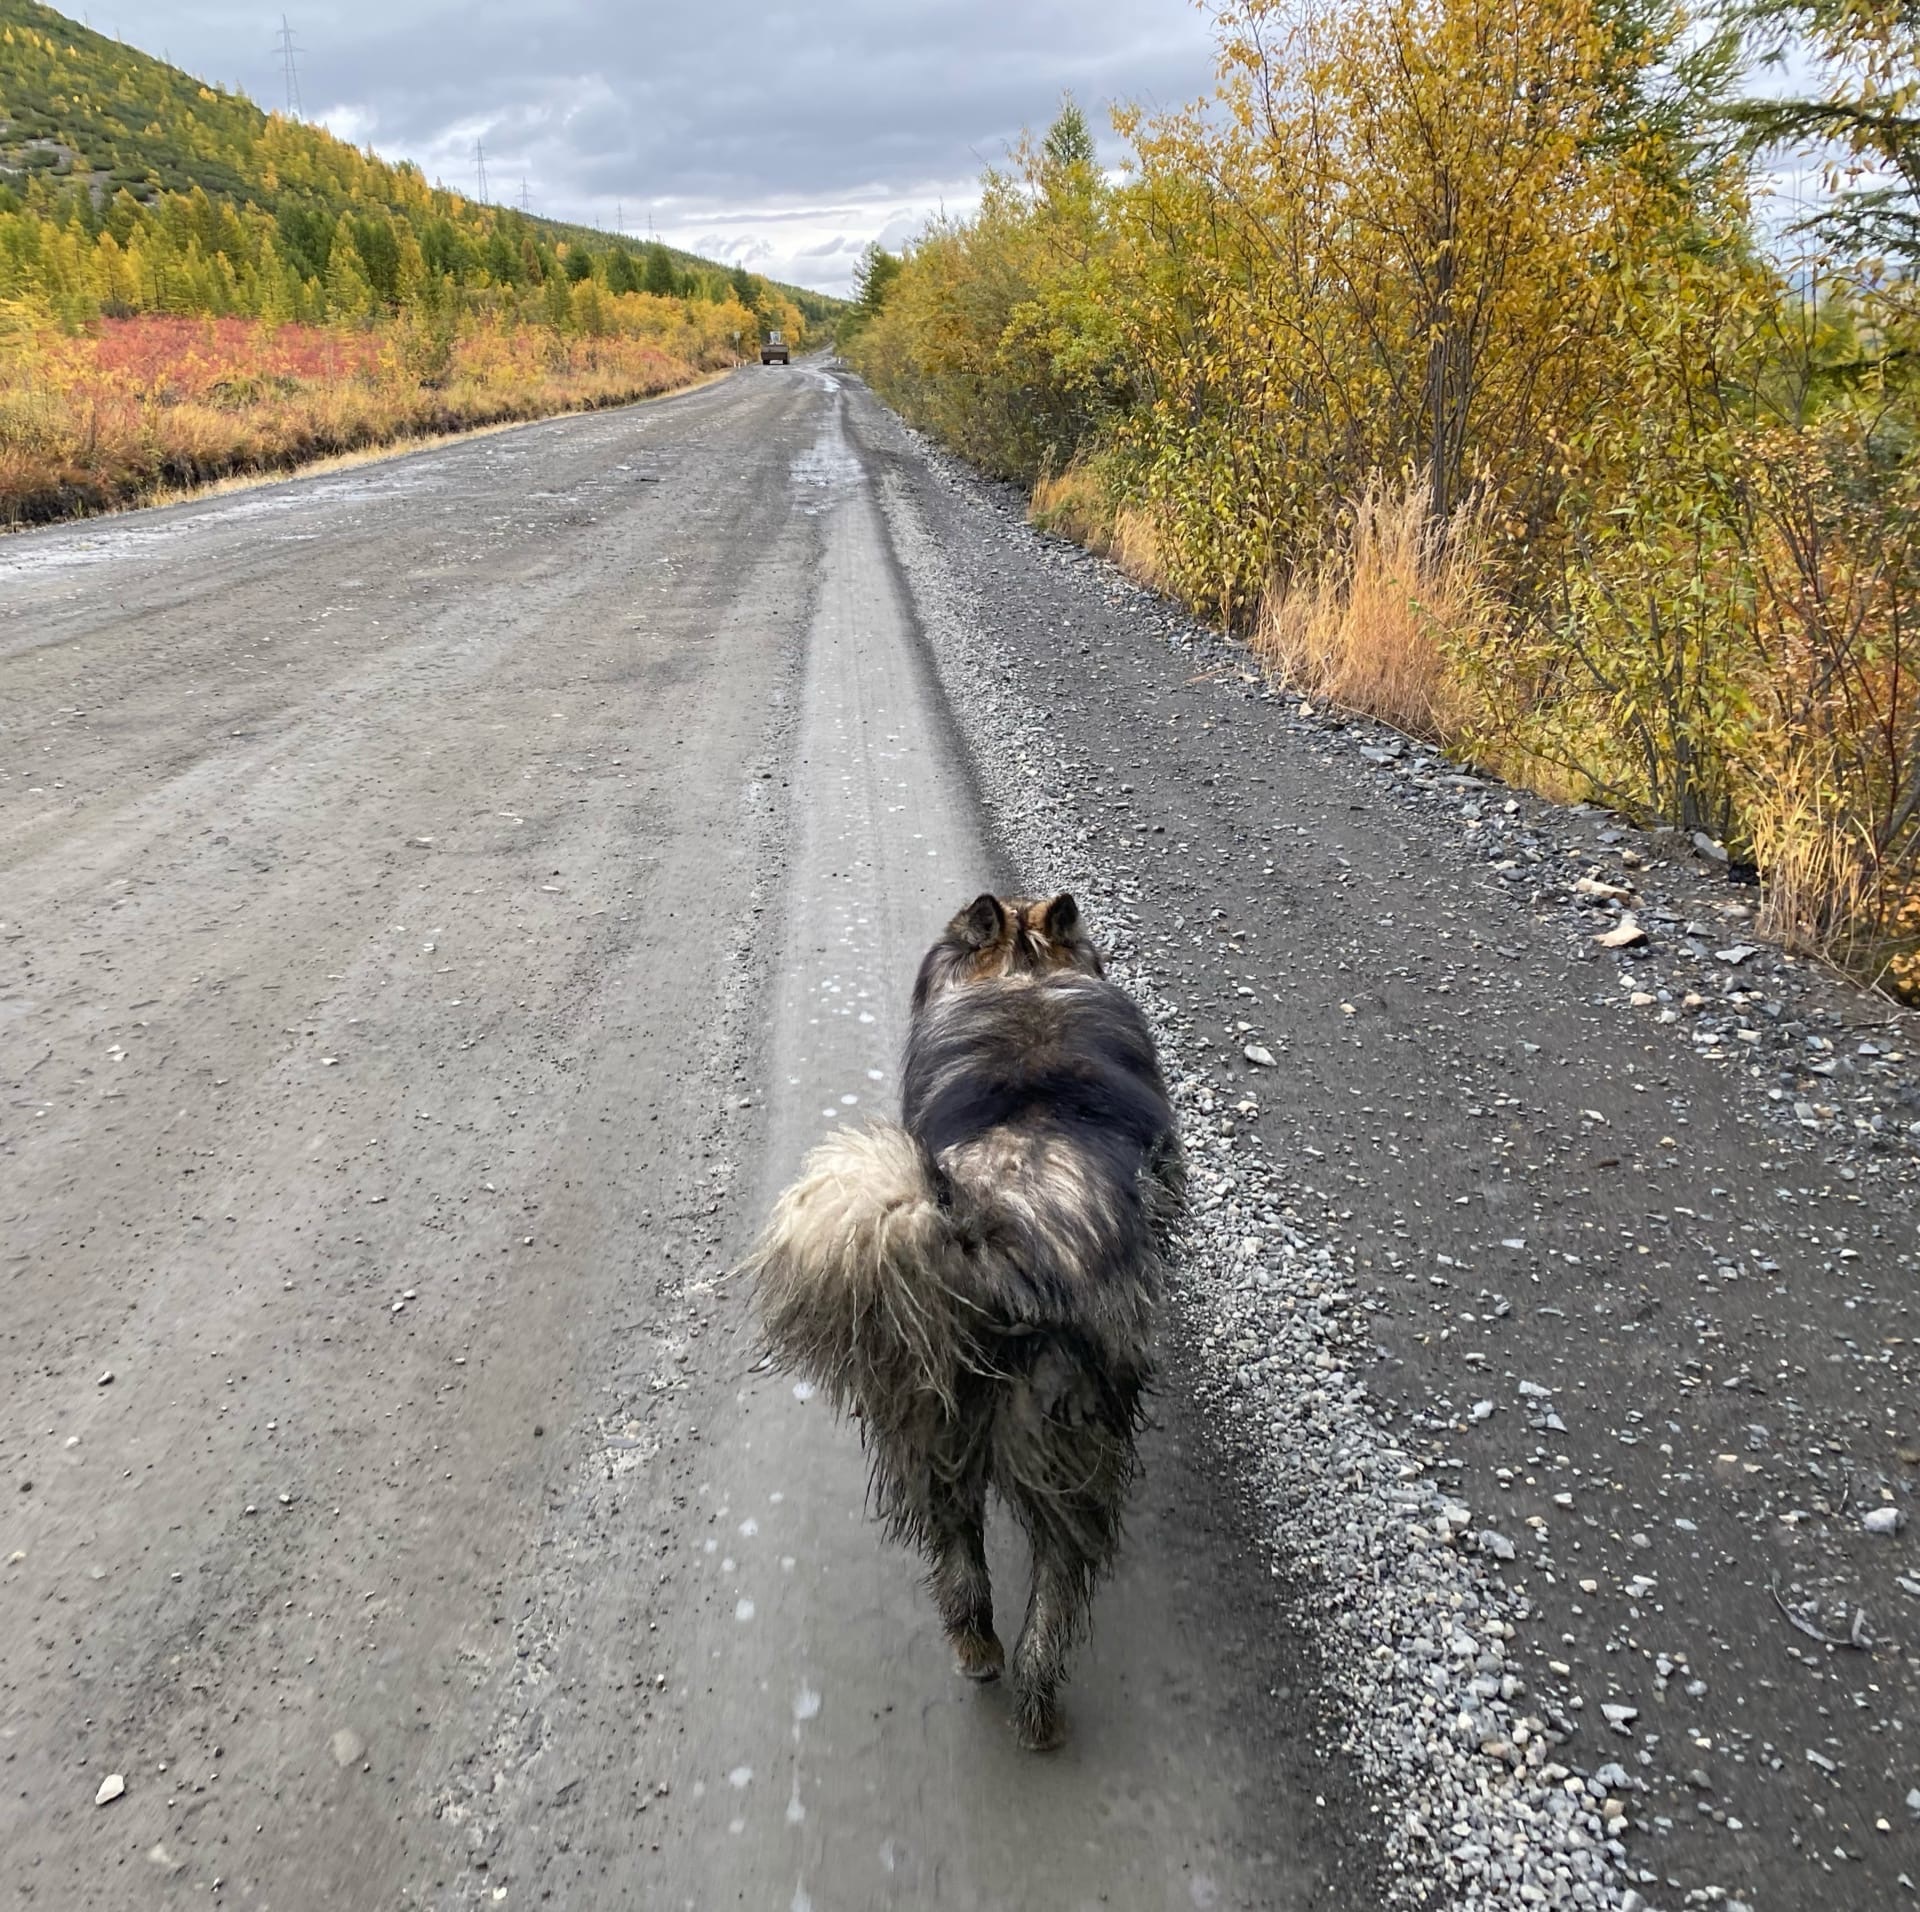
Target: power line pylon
(480,167)
(290,70)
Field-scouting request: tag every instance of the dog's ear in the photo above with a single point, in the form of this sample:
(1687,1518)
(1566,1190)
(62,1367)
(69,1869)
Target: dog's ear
(983,922)
(1060,919)
(1060,923)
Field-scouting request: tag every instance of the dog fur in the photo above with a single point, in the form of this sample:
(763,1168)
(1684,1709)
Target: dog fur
(979,1283)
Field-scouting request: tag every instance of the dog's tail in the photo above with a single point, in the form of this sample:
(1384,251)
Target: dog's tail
(854,1277)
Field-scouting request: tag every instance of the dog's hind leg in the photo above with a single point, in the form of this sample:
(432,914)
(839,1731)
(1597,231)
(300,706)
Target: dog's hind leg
(1056,1617)
(959,1582)
(1067,1490)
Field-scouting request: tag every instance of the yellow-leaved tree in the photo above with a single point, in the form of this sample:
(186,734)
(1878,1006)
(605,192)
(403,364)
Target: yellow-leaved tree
(1441,351)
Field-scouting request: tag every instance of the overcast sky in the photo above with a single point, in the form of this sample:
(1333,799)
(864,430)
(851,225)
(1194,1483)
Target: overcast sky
(784,138)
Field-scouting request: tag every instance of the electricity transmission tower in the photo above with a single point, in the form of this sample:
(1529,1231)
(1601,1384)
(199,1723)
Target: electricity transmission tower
(526,204)
(480,166)
(290,70)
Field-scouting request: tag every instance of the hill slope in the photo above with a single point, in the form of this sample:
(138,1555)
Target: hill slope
(192,289)
(240,212)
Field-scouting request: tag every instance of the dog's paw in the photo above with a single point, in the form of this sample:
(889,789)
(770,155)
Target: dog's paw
(1040,1732)
(977,1656)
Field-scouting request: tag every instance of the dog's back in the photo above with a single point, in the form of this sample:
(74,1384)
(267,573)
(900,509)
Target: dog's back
(979,1285)
(1038,1101)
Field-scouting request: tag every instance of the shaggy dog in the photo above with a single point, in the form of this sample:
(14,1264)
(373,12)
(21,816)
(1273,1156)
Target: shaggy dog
(978,1284)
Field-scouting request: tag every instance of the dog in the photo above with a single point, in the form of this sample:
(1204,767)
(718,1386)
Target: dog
(978,1284)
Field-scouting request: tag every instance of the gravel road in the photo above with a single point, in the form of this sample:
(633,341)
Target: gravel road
(438,904)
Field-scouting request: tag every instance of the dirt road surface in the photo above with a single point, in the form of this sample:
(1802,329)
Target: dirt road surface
(440,902)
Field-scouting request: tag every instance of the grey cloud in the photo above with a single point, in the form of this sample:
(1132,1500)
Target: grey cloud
(696,115)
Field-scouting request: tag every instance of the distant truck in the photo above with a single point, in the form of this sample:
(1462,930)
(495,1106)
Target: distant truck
(774,351)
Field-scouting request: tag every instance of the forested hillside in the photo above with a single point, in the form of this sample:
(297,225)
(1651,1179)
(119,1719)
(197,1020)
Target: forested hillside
(127,185)
(143,214)
(1456,354)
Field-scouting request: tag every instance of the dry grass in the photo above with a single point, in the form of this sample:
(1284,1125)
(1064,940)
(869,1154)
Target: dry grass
(1074,504)
(1136,548)
(318,467)
(1828,890)
(1378,626)
(140,410)
(1817,882)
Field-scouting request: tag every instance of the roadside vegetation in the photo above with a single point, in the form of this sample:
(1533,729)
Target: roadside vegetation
(1457,355)
(191,288)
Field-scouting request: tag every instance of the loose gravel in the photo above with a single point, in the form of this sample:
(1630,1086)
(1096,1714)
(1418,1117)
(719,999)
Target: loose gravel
(1490,1791)
(1418,1640)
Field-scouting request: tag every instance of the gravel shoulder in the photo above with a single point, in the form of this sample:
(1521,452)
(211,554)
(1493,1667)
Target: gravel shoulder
(1560,1301)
